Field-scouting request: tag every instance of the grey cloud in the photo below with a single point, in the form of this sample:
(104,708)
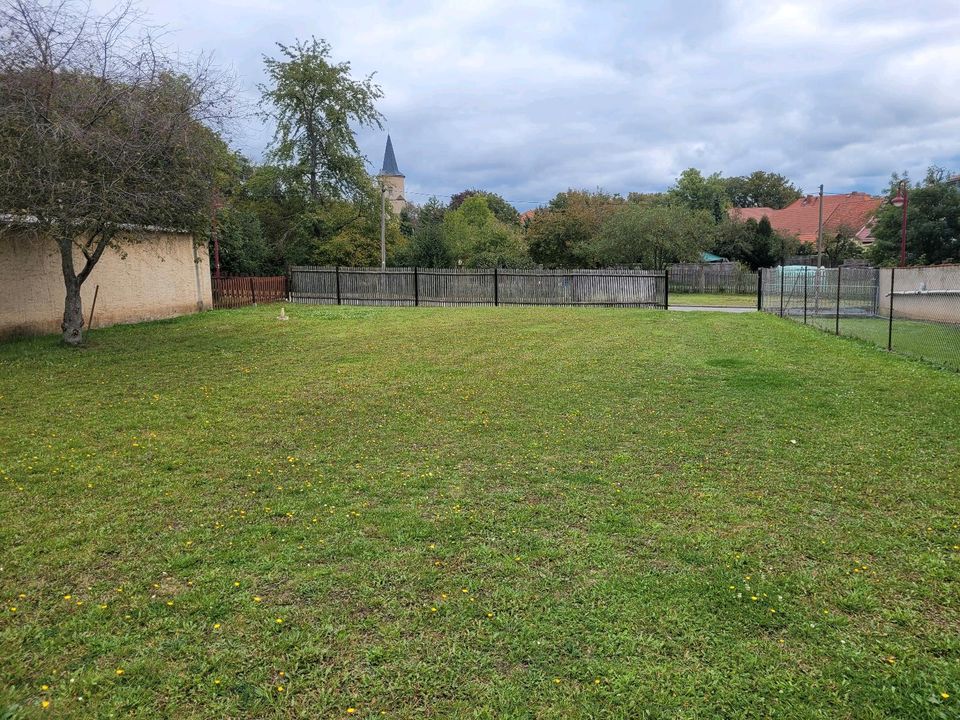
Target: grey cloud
(529,98)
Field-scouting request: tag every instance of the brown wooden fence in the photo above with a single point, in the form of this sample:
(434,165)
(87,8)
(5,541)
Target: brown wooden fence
(453,287)
(726,277)
(230,292)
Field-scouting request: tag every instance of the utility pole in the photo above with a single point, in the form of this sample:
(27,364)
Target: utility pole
(383,226)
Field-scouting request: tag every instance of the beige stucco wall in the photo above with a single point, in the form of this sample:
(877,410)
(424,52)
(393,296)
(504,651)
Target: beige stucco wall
(922,301)
(162,276)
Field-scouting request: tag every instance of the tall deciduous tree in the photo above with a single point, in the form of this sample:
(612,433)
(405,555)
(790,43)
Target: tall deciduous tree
(559,235)
(933,223)
(653,236)
(504,211)
(694,191)
(314,101)
(101,133)
(477,238)
(761,189)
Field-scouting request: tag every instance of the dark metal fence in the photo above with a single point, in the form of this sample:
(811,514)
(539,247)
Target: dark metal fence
(230,292)
(713,278)
(914,310)
(454,287)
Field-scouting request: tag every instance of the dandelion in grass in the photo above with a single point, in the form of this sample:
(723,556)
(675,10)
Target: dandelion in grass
(945,695)
(279,621)
(120,671)
(44,704)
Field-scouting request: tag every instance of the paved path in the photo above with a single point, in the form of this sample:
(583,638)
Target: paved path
(712,308)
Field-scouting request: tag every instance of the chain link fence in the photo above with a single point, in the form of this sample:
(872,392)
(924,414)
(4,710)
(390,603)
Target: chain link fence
(914,311)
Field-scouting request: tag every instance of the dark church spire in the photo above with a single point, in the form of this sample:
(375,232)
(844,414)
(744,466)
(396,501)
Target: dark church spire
(390,161)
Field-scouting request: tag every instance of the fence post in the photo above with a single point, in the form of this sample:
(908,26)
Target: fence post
(338,284)
(666,289)
(759,289)
(496,286)
(890,326)
(805,295)
(837,332)
(253,293)
(416,286)
(782,275)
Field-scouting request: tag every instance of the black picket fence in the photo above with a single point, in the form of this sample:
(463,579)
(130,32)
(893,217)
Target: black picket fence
(466,287)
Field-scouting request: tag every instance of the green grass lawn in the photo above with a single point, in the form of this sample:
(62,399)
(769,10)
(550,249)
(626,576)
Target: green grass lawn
(483,513)
(938,343)
(713,299)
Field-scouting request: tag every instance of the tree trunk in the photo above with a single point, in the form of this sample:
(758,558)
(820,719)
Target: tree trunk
(72,325)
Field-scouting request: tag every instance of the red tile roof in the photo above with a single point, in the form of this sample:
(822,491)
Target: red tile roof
(854,210)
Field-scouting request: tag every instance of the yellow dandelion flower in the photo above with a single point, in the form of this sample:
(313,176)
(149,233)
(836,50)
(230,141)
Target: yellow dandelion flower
(257,598)
(351,710)
(945,695)
(279,621)
(556,681)
(216,681)
(433,609)
(119,671)
(13,609)
(279,688)
(44,704)
(44,687)
(67,597)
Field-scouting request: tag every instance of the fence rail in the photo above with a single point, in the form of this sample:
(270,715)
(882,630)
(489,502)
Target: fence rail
(914,311)
(456,287)
(230,292)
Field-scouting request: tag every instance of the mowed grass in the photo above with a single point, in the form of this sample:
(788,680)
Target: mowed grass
(938,343)
(713,299)
(489,513)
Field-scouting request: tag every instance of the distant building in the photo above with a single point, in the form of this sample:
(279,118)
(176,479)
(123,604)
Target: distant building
(854,211)
(392,179)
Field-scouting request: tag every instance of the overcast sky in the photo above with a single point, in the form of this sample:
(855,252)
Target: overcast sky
(530,98)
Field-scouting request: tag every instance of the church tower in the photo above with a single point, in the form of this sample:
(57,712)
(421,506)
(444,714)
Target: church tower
(392,179)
